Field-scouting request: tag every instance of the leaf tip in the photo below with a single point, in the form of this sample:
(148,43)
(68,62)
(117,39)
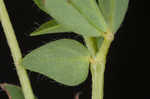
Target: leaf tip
(33,34)
(5,90)
(3,85)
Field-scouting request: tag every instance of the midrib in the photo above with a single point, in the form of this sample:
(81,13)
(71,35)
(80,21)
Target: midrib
(112,4)
(89,21)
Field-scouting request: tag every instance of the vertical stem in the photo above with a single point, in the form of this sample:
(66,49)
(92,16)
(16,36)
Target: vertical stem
(98,69)
(15,51)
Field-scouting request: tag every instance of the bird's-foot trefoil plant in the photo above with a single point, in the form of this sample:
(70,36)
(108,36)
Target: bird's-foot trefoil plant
(67,61)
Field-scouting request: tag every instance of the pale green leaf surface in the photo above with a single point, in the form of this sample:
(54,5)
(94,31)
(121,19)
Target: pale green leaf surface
(99,41)
(13,92)
(66,61)
(90,10)
(114,12)
(50,27)
(96,42)
(40,4)
(70,16)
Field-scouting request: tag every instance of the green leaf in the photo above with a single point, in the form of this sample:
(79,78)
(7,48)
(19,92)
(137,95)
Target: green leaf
(99,41)
(96,43)
(66,61)
(49,27)
(114,12)
(90,11)
(72,15)
(40,4)
(13,92)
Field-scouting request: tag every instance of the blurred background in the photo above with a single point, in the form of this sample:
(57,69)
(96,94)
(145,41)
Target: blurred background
(120,75)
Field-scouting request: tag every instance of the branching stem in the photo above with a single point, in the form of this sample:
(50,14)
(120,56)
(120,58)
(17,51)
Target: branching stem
(98,64)
(15,51)
(98,69)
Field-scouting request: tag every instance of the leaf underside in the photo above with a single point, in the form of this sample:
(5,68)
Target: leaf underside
(71,14)
(83,16)
(90,11)
(13,92)
(66,61)
(49,27)
(40,4)
(114,12)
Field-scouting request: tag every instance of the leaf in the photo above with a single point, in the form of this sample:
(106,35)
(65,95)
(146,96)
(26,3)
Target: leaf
(69,14)
(90,10)
(114,12)
(96,42)
(66,61)
(13,92)
(99,41)
(49,27)
(40,4)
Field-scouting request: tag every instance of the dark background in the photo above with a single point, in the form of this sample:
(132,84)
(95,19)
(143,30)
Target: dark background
(121,78)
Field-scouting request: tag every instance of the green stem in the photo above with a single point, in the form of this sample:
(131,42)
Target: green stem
(98,69)
(16,53)
(98,62)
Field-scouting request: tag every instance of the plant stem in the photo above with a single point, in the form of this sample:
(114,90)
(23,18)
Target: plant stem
(98,69)
(15,51)
(98,63)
